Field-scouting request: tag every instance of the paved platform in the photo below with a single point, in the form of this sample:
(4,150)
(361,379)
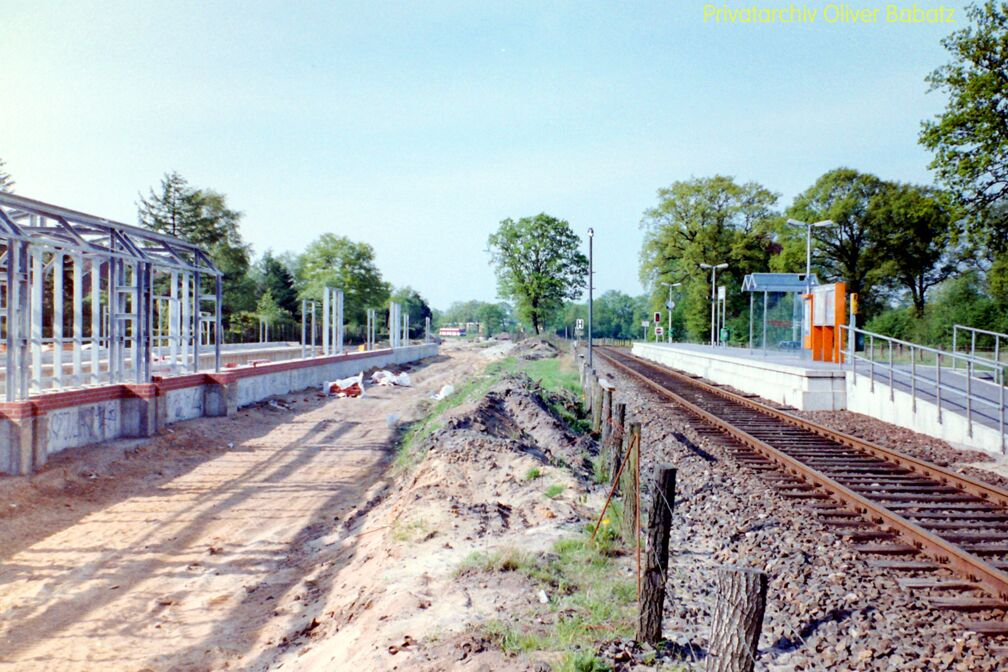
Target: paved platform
(785,378)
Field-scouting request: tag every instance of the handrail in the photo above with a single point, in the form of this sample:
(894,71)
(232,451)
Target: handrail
(971,395)
(973,331)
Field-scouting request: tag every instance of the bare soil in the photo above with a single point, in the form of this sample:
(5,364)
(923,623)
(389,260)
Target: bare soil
(201,548)
(284,537)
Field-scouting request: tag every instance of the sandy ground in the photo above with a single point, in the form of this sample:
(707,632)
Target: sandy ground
(199,549)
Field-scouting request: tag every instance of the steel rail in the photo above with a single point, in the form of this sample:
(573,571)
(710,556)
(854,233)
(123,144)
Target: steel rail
(964,563)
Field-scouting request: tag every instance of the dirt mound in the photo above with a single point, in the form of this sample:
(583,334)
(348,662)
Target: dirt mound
(535,348)
(513,416)
(492,481)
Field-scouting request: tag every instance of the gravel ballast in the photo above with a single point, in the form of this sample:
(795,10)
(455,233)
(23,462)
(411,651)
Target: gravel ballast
(827,608)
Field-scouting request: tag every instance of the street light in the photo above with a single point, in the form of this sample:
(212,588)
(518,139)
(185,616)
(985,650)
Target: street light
(808,249)
(808,246)
(714,268)
(668,306)
(591,234)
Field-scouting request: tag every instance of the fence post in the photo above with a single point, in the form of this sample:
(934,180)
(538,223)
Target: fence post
(615,447)
(596,405)
(652,603)
(606,430)
(629,483)
(738,619)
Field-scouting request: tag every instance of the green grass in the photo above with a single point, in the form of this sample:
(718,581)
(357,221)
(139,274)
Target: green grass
(532,474)
(553,375)
(554,491)
(591,601)
(557,375)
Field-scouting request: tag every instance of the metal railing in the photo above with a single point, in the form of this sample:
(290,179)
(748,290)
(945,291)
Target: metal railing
(973,332)
(921,369)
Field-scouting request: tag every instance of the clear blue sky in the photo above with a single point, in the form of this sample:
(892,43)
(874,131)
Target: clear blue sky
(417,126)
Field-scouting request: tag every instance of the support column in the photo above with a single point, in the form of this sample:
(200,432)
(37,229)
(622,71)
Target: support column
(326,296)
(78,318)
(96,345)
(36,320)
(57,320)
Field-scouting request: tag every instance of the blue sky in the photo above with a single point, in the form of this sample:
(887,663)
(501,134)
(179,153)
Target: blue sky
(418,126)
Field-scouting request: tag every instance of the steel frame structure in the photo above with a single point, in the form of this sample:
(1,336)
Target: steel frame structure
(115,268)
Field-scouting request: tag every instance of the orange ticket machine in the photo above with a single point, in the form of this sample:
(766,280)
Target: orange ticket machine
(825,312)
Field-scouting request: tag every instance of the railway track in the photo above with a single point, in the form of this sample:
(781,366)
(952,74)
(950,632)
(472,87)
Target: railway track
(946,533)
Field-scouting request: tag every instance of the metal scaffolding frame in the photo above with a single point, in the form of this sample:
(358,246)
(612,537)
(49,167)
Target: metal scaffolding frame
(117,269)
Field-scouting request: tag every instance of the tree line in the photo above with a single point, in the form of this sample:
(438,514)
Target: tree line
(920,256)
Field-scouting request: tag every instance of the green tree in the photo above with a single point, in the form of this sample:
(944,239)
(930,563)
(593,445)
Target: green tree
(538,264)
(6,181)
(268,309)
(415,306)
(914,230)
(847,250)
(970,137)
(202,217)
(338,262)
(277,279)
(711,220)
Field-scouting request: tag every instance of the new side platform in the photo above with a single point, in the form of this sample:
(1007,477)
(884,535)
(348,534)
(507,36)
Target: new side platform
(785,378)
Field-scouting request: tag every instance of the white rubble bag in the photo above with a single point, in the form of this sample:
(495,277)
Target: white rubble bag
(445,391)
(389,379)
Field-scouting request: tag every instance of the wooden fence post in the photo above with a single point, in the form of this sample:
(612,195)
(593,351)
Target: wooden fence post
(606,422)
(596,405)
(738,619)
(652,603)
(629,483)
(616,441)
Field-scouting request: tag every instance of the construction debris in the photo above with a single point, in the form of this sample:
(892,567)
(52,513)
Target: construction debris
(345,387)
(389,379)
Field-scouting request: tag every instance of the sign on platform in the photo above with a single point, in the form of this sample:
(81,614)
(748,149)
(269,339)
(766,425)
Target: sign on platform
(721,292)
(670,304)
(659,331)
(580,324)
(645,323)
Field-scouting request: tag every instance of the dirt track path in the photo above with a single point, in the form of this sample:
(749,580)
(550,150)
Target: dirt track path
(177,557)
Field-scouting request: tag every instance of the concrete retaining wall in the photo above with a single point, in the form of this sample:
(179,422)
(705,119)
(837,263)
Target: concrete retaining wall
(32,430)
(900,411)
(806,389)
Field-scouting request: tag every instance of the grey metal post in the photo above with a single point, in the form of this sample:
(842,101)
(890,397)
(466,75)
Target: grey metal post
(766,301)
(713,307)
(1001,418)
(197,320)
(955,332)
(95,319)
(972,344)
(313,329)
(668,336)
(938,384)
(325,320)
(892,395)
(78,317)
(591,279)
(913,378)
(751,298)
(304,318)
(969,397)
(15,288)
(871,361)
(57,322)
(37,282)
(218,321)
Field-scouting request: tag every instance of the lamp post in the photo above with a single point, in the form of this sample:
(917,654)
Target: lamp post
(668,307)
(591,234)
(713,306)
(808,251)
